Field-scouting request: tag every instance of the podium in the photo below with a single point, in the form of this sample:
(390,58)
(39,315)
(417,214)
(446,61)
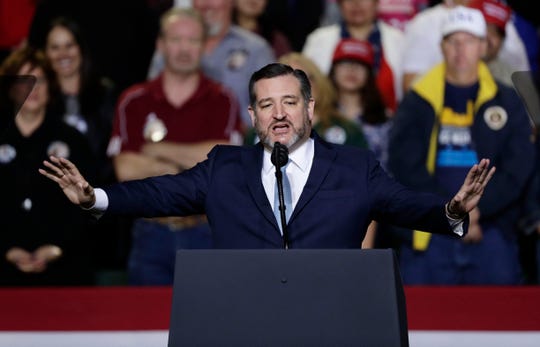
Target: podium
(295,297)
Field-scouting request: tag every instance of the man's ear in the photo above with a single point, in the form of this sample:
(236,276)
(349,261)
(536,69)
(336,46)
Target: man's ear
(311,108)
(251,115)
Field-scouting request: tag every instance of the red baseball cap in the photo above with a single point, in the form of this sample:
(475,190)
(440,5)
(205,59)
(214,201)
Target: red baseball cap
(354,49)
(494,12)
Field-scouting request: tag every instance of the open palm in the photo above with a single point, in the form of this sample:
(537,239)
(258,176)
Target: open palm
(70,180)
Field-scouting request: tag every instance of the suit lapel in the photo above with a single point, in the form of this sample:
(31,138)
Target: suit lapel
(252,162)
(322,162)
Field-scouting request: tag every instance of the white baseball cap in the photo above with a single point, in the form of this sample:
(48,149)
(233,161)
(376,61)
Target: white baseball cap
(461,18)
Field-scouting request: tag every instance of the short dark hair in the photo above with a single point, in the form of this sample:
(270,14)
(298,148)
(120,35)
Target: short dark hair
(275,70)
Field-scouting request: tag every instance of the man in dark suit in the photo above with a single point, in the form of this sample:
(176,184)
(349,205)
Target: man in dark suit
(335,190)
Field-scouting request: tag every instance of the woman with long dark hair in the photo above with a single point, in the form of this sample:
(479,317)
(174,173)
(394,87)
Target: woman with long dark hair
(358,96)
(88,98)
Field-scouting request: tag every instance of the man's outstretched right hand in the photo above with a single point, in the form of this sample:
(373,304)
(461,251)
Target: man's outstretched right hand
(70,180)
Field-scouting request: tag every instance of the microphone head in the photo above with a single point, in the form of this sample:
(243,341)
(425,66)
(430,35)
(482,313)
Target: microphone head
(280,155)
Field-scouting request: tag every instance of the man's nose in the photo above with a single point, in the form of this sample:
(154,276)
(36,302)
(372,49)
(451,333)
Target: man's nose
(280,112)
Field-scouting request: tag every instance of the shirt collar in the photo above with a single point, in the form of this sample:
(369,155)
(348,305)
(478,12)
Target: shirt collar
(301,157)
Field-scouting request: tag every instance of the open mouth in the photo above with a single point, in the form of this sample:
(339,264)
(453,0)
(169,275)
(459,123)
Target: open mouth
(280,128)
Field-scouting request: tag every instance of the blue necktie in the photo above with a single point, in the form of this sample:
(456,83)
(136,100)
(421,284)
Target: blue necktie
(287,197)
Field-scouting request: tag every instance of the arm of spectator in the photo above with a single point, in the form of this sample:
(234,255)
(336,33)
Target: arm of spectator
(182,155)
(20,258)
(130,166)
(36,261)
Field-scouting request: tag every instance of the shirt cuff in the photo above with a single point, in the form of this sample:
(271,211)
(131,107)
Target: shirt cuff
(456,225)
(100,205)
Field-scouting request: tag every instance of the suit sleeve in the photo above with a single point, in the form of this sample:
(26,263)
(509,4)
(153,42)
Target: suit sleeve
(398,205)
(182,194)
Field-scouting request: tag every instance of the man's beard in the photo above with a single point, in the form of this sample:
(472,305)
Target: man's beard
(298,134)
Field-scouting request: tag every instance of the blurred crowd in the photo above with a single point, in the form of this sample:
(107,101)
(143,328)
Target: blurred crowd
(129,89)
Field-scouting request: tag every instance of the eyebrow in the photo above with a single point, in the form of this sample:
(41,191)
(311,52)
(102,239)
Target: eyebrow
(287,96)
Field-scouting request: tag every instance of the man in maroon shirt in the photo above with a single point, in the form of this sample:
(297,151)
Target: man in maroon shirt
(165,126)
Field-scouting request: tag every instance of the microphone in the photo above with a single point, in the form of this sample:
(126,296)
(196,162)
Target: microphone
(280,157)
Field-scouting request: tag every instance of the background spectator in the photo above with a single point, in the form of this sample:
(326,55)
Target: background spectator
(88,98)
(398,13)
(496,15)
(165,126)
(87,103)
(359,100)
(423,36)
(120,34)
(231,55)
(35,249)
(251,15)
(455,114)
(358,97)
(360,22)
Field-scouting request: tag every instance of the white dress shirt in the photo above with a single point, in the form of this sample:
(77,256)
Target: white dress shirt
(300,161)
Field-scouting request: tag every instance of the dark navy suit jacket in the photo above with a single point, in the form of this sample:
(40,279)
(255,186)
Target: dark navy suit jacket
(345,190)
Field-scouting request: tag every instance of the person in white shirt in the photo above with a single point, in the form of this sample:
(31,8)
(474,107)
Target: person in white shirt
(423,34)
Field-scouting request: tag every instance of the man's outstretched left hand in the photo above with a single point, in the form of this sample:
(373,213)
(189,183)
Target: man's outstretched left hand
(471,191)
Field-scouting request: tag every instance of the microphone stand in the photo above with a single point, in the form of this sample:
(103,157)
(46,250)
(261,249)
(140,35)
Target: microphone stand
(280,156)
(279,178)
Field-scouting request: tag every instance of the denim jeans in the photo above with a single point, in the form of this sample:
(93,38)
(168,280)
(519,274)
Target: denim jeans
(153,250)
(450,261)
